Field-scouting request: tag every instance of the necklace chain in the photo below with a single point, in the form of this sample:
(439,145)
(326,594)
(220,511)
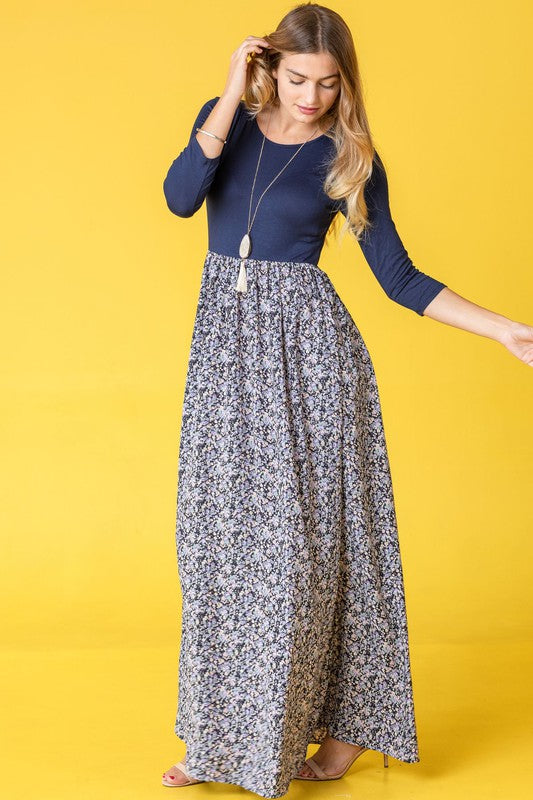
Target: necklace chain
(245,247)
(275,178)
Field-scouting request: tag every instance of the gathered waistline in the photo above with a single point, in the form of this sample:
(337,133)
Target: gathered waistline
(250,260)
(242,282)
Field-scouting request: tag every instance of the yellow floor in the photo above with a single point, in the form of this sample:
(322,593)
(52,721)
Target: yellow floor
(99,724)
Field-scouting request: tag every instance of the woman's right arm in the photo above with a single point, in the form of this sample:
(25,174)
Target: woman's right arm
(191,174)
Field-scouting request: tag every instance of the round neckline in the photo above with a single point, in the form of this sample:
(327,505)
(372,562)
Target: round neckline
(287,144)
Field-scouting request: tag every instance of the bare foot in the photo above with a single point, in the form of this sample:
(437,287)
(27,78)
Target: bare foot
(332,756)
(175,776)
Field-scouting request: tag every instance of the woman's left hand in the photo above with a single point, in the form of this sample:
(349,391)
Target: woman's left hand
(518,339)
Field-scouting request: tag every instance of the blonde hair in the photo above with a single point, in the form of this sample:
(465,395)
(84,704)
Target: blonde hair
(312,28)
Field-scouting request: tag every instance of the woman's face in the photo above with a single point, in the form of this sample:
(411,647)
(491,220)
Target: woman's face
(307,81)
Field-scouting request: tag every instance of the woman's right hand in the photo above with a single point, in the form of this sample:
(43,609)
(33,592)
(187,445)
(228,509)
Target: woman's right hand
(238,71)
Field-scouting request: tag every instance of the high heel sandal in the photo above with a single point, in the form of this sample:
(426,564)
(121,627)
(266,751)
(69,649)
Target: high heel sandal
(320,775)
(191,780)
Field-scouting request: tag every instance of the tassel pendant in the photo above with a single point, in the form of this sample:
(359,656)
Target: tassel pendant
(245,246)
(241,282)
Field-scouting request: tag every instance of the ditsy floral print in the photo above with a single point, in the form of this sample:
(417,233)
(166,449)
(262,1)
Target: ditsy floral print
(293,611)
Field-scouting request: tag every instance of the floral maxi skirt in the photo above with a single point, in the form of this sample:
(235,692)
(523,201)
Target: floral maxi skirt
(293,611)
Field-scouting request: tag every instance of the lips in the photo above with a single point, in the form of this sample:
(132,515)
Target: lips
(304,108)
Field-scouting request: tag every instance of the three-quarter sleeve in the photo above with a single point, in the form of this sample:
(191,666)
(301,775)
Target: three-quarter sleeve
(191,174)
(385,253)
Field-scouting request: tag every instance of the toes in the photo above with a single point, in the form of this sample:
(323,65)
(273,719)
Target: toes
(175,776)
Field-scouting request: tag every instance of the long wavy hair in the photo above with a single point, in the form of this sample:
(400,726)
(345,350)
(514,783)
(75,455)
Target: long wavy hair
(312,28)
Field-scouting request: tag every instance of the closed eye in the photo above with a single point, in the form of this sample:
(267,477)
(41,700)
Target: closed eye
(299,83)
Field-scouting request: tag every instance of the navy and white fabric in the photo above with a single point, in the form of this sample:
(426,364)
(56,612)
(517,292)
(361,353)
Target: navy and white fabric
(293,611)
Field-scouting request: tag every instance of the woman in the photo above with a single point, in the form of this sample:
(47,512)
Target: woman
(293,619)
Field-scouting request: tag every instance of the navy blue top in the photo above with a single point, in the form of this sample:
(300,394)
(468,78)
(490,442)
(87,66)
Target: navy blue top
(295,214)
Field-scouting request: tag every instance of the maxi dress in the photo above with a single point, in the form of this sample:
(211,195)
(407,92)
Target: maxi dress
(293,611)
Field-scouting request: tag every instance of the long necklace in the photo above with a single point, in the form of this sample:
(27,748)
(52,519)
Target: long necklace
(245,247)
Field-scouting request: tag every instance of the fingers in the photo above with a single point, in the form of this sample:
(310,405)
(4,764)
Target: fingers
(252,44)
(257,39)
(256,43)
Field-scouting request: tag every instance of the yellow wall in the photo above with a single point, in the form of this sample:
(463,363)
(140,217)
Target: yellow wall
(99,290)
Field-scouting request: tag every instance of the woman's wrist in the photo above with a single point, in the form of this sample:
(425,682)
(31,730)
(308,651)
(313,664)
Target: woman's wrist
(453,309)
(498,327)
(507,328)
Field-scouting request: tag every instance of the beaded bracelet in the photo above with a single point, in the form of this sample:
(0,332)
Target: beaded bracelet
(211,134)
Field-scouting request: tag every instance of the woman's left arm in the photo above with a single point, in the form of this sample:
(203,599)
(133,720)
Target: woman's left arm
(452,309)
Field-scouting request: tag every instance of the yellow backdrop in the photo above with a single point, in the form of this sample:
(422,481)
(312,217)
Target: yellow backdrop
(99,290)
